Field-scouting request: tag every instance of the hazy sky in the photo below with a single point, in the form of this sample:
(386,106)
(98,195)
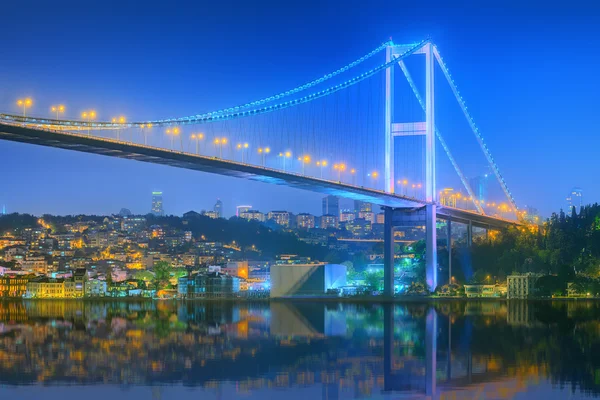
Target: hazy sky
(529,73)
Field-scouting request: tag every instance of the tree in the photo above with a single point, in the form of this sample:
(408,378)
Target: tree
(162,273)
(109,279)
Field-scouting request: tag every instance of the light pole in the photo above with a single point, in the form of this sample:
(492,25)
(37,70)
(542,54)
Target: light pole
(89,116)
(353,173)
(172,133)
(119,120)
(263,153)
(321,164)
(242,147)
(197,137)
(374,175)
(59,109)
(339,168)
(285,155)
(25,103)
(142,127)
(220,142)
(305,160)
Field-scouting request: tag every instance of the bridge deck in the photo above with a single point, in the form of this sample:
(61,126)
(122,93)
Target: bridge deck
(156,155)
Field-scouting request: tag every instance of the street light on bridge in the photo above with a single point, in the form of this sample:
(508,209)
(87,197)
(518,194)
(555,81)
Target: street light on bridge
(339,168)
(284,155)
(142,127)
(89,116)
(304,160)
(119,120)
(220,142)
(197,137)
(321,164)
(25,103)
(172,133)
(263,152)
(242,147)
(59,109)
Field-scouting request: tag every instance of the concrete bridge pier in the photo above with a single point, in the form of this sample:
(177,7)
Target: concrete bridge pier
(409,217)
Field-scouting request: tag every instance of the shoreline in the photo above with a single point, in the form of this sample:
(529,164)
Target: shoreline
(324,299)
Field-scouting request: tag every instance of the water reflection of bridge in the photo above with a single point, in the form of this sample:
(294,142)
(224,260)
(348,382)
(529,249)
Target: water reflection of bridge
(393,348)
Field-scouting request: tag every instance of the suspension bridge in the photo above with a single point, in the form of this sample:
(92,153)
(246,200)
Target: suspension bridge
(370,137)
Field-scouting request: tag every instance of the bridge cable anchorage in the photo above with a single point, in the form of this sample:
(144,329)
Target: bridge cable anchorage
(475,130)
(216,118)
(441,139)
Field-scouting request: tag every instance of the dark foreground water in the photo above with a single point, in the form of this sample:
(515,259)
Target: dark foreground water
(162,350)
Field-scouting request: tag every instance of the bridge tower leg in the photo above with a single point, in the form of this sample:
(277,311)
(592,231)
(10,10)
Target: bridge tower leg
(430,190)
(388,252)
(389,138)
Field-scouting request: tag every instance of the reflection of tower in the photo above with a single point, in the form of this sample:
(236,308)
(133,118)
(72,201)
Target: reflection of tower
(157,204)
(395,380)
(156,393)
(219,208)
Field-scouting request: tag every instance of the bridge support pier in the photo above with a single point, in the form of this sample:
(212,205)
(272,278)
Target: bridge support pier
(469,234)
(396,217)
(449,245)
(431,246)
(388,252)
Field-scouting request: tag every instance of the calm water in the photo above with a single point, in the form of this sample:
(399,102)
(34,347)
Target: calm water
(475,350)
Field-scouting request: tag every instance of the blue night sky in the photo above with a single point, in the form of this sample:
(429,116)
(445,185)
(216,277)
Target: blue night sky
(529,73)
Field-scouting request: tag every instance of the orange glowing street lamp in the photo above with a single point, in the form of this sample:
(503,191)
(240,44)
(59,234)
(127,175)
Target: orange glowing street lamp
(25,103)
(59,109)
(305,160)
(143,127)
(220,142)
(89,116)
(197,137)
(284,155)
(339,168)
(172,132)
(263,152)
(321,164)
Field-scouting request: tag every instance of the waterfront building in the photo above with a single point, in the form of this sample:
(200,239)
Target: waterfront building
(95,288)
(485,290)
(288,280)
(521,286)
(13,286)
(241,209)
(236,268)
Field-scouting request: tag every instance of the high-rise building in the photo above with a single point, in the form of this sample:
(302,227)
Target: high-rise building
(218,209)
(479,185)
(575,199)
(331,205)
(305,221)
(241,209)
(362,206)
(448,197)
(157,204)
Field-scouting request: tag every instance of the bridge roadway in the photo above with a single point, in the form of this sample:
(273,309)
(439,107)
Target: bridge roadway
(139,152)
